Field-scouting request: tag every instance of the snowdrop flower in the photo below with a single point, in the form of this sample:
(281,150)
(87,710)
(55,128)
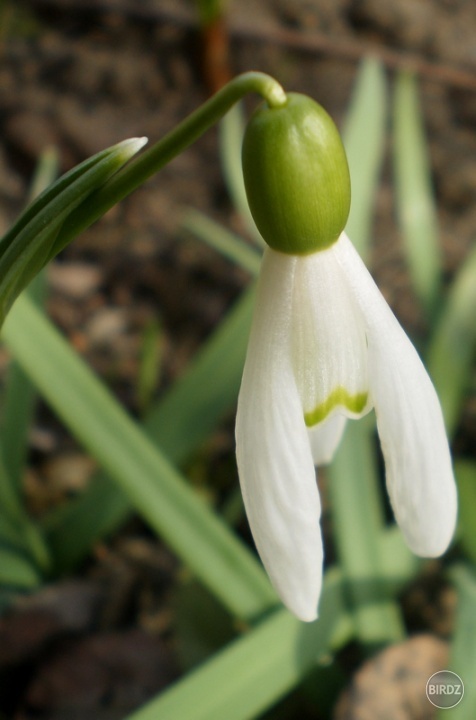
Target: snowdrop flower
(324,347)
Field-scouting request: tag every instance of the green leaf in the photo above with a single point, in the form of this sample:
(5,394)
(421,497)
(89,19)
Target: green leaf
(150,364)
(46,172)
(195,402)
(364,141)
(154,486)
(27,246)
(463,657)
(20,394)
(16,526)
(232,130)
(103,507)
(466,479)
(209,10)
(72,529)
(255,671)
(358,523)
(222,240)
(16,571)
(415,200)
(18,409)
(453,343)
(202,625)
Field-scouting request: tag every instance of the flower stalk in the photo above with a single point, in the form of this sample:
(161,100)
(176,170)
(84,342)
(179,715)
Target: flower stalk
(171,145)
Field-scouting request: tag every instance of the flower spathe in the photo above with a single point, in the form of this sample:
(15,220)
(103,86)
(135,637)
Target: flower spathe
(325,346)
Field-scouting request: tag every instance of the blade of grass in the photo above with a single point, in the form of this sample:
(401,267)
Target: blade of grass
(358,523)
(453,343)
(222,240)
(232,129)
(16,571)
(465,472)
(72,530)
(206,403)
(17,526)
(103,503)
(364,140)
(154,486)
(18,410)
(19,407)
(20,394)
(26,247)
(415,200)
(150,364)
(463,656)
(255,671)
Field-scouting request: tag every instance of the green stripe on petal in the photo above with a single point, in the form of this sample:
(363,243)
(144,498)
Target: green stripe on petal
(338,397)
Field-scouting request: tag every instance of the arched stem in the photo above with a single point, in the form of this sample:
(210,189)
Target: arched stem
(144,166)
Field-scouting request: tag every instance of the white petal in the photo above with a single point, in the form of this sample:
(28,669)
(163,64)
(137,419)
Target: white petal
(275,465)
(418,464)
(325,438)
(328,341)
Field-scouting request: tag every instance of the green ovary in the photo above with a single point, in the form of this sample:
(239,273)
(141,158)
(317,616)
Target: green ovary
(339,396)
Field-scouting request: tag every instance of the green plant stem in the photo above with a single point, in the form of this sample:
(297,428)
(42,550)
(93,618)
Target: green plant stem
(184,134)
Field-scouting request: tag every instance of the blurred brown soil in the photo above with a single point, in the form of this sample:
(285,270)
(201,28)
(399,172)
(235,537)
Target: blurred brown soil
(82,75)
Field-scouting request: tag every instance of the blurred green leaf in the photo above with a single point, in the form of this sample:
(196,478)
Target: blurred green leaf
(453,343)
(20,395)
(71,530)
(255,671)
(358,523)
(466,479)
(415,199)
(222,240)
(16,571)
(46,172)
(399,564)
(19,407)
(209,10)
(154,486)
(208,389)
(202,625)
(149,364)
(463,655)
(27,246)
(232,129)
(103,503)
(364,140)
(15,524)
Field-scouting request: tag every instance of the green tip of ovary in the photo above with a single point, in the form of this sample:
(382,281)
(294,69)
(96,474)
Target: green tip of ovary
(296,176)
(338,397)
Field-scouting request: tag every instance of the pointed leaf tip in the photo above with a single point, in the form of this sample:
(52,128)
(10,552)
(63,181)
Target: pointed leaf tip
(131,146)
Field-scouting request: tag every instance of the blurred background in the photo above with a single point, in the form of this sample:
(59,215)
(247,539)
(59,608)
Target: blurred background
(137,294)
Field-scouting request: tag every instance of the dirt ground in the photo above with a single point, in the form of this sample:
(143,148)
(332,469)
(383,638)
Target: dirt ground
(84,74)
